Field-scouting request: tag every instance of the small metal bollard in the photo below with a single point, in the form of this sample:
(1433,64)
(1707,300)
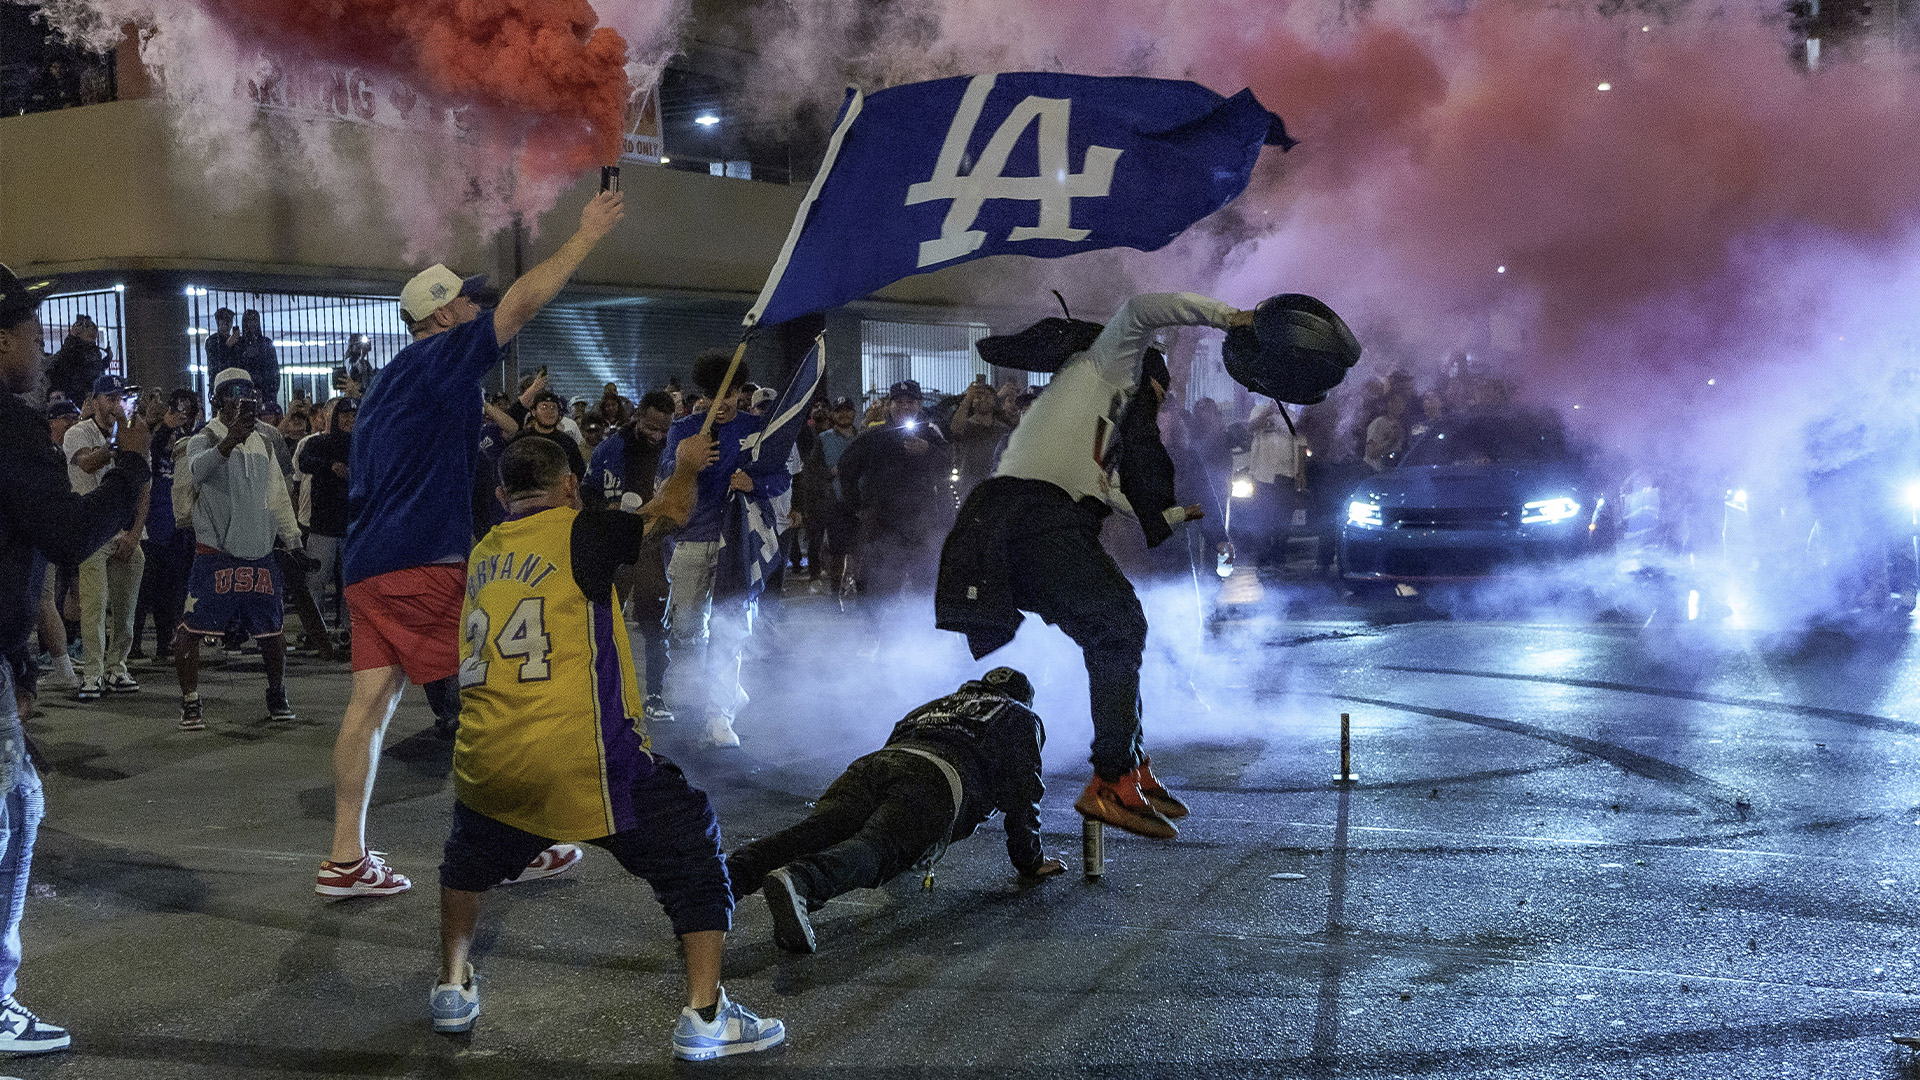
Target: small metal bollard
(1093,848)
(1347,775)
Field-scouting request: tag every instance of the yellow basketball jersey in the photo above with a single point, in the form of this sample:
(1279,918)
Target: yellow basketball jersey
(550,737)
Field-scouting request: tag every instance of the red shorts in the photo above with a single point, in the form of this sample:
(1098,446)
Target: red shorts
(409,619)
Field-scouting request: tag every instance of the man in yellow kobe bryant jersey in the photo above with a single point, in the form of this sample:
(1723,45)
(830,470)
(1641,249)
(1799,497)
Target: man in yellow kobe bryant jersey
(552,747)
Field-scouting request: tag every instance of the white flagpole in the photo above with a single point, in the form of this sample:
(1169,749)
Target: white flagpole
(855,101)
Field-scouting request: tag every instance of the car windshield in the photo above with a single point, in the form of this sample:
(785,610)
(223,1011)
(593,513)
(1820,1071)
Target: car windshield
(1491,440)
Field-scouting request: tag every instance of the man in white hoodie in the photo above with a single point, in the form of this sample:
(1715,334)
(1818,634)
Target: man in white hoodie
(240,507)
(1028,539)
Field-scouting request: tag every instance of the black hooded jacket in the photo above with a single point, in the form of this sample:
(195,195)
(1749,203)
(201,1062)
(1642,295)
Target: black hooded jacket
(318,456)
(75,368)
(40,516)
(994,743)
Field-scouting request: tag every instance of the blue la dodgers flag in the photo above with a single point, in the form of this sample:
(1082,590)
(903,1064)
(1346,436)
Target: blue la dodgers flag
(931,174)
(750,542)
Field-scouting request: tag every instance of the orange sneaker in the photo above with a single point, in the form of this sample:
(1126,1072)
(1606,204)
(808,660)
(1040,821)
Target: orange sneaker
(1156,793)
(1120,804)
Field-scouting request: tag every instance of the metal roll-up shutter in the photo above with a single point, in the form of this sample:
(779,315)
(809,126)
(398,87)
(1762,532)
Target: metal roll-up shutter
(636,343)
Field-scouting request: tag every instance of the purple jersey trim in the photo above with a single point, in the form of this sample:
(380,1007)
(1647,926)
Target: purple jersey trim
(619,743)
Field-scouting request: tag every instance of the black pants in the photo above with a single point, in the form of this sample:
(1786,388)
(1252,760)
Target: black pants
(1269,522)
(1062,574)
(896,562)
(842,536)
(644,587)
(815,538)
(163,589)
(885,812)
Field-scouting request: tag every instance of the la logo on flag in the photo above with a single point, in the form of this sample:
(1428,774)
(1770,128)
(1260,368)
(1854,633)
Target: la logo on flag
(1053,185)
(933,174)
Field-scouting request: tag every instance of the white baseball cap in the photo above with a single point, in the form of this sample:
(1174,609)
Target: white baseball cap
(230,375)
(434,288)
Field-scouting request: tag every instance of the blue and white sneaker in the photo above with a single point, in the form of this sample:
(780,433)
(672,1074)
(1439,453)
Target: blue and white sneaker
(455,1008)
(734,1030)
(21,1032)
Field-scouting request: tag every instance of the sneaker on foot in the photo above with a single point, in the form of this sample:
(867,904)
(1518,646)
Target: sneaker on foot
(792,929)
(456,1005)
(277,707)
(720,731)
(734,1029)
(90,690)
(57,679)
(552,862)
(1120,804)
(121,682)
(190,718)
(21,1032)
(368,877)
(657,711)
(1156,793)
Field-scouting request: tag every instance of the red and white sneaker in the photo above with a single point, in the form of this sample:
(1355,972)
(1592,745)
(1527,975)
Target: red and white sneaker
(552,862)
(368,877)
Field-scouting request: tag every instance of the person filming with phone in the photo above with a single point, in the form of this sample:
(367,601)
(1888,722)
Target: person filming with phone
(240,507)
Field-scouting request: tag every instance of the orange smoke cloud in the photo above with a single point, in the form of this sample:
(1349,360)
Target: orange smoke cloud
(542,70)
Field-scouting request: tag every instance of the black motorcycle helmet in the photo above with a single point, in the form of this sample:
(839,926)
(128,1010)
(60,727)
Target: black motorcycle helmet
(1296,350)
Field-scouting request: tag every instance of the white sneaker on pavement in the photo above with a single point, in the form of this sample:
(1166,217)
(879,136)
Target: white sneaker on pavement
(720,731)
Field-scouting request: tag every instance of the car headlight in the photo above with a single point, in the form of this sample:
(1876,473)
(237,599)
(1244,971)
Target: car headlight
(1364,514)
(1242,488)
(1548,511)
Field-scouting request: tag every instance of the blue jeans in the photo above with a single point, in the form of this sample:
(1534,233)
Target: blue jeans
(21,809)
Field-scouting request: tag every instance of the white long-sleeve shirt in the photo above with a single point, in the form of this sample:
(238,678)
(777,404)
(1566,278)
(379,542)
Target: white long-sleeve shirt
(240,499)
(1067,435)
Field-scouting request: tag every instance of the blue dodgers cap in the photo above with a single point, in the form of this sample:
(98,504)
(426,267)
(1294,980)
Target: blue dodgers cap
(113,386)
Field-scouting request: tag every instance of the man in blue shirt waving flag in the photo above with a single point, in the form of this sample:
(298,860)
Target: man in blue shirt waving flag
(755,518)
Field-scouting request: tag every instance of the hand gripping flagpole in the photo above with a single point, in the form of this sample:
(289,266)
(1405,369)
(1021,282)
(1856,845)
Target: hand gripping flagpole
(726,384)
(678,490)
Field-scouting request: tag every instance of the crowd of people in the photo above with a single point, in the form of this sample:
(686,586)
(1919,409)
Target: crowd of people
(868,520)
(493,550)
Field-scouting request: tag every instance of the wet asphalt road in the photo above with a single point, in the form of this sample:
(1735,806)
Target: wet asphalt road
(1578,847)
